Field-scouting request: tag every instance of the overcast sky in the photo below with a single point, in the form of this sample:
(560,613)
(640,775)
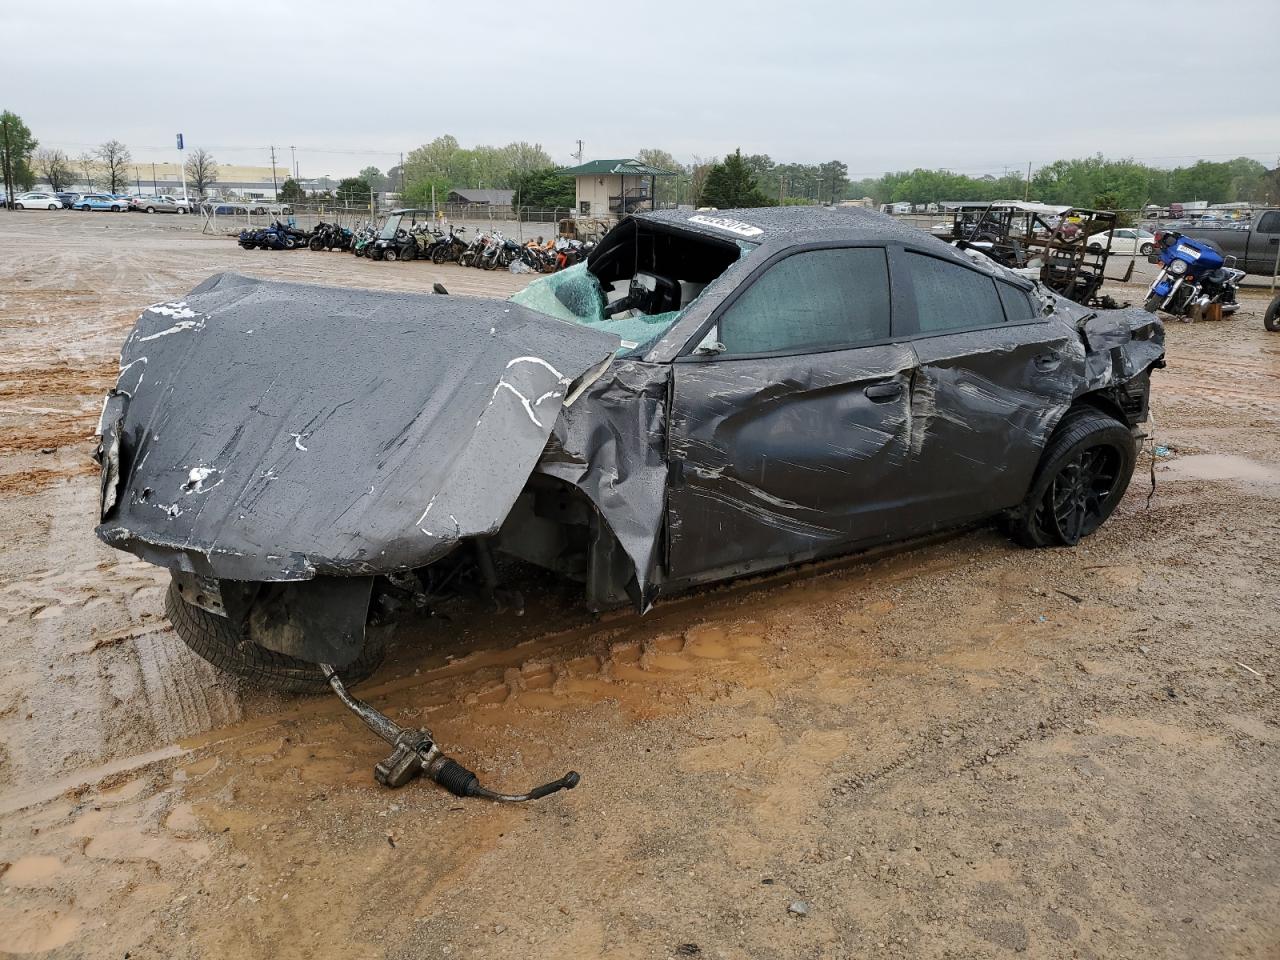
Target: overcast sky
(973,86)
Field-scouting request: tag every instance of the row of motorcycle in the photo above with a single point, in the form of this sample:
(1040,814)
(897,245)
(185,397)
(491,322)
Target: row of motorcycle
(485,251)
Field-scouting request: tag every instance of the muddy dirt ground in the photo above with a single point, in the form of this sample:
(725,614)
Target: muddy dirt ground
(961,750)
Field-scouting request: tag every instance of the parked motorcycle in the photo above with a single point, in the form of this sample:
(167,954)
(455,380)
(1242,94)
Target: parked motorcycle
(363,239)
(449,246)
(330,236)
(1195,281)
(1271,319)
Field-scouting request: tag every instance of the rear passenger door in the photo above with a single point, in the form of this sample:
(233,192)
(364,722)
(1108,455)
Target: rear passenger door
(993,377)
(788,434)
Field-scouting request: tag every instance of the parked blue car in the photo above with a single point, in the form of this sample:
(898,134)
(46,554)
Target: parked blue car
(101,201)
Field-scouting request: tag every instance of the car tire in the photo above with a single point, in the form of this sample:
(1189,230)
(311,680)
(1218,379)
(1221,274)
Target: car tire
(150,209)
(228,647)
(18,206)
(1084,472)
(1146,249)
(390,255)
(1271,319)
(1095,248)
(180,210)
(53,206)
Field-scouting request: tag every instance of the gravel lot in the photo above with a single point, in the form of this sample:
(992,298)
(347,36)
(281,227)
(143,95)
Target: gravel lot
(962,750)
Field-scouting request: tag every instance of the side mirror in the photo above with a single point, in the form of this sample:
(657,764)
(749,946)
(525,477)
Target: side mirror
(713,349)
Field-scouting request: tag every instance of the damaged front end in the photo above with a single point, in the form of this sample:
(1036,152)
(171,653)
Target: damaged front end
(280,447)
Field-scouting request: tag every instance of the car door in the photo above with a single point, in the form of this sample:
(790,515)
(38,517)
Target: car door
(1264,241)
(993,377)
(789,425)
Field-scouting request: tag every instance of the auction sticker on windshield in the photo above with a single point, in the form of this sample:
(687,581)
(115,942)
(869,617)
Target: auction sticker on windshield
(727,224)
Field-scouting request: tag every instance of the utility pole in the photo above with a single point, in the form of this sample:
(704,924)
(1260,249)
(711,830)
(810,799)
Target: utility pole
(781,187)
(1026,193)
(578,155)
(155,186)
(274,189)
(294,157)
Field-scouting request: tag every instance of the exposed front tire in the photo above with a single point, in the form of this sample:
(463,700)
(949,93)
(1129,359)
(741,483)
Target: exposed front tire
(1083,474)
(217,640)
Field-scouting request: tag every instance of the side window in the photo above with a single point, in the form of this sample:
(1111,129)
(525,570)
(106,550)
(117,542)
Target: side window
(1270,223)
(1017,303)
(952,297)
(816,300)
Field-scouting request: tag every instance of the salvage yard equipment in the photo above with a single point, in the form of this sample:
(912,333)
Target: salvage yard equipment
(1066,248)
(640,423)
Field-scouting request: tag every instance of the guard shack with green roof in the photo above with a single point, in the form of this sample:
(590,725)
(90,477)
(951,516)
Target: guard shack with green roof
(614,188)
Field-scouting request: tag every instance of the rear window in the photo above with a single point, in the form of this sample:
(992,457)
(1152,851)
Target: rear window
(952,297)
(1017,303)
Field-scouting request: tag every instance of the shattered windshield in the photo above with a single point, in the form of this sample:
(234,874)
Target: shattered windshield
(641,279)
(576,296)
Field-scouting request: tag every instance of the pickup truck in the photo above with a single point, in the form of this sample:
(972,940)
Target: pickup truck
(1254,248)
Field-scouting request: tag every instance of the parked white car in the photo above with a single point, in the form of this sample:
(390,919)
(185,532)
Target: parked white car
(270,206)
(1125,241)
(36,201)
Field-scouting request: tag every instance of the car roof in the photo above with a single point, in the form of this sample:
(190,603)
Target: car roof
(765,224)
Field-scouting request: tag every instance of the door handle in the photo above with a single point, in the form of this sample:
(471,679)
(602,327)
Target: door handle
(884,392)
(1047,362)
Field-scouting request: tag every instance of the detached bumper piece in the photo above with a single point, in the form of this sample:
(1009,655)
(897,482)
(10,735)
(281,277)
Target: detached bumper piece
(414,753)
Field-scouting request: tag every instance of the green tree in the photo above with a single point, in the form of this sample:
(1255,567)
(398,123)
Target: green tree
(290,192)
(354,190)
(544,189)
(1110,200)
(667,190)
(418,193)
(730,184)
(373,176)
(16,147)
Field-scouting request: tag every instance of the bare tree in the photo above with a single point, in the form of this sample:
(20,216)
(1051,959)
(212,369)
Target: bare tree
(87,164)
(113,157)
(202,170)
(55,167)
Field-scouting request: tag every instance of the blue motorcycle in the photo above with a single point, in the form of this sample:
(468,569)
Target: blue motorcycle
(1195,281)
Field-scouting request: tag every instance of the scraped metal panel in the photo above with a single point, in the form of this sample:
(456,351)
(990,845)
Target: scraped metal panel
(275,431)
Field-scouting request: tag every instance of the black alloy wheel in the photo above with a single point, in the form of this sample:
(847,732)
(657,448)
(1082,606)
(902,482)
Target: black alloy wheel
(1082,488)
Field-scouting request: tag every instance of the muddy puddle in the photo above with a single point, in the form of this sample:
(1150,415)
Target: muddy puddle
(1260,477)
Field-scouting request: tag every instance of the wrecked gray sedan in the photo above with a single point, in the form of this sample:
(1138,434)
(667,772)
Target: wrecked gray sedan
(708,395)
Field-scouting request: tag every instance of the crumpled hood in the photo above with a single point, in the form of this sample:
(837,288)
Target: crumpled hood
(276,431)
